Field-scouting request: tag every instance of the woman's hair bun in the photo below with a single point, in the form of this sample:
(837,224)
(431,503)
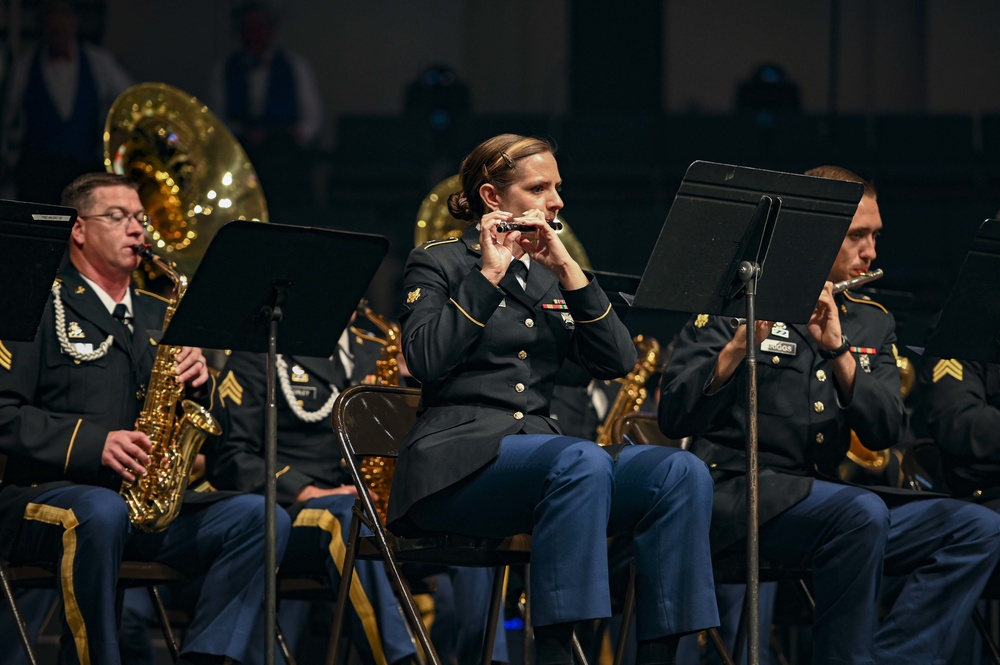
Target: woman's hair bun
(459,207)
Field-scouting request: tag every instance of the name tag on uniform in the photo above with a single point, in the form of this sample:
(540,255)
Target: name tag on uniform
(83,347)
(777,346)
(304,392)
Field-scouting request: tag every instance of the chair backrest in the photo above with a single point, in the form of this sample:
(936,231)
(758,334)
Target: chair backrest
(643,428)
(374,420)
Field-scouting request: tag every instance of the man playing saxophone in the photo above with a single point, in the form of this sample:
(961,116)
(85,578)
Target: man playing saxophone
(68,404)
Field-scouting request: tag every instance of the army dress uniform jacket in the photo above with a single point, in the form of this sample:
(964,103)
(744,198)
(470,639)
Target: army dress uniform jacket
(308,453)
(961,401)
(803,429)
(487,358)
(55,411)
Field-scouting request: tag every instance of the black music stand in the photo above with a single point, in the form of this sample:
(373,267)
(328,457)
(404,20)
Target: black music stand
(253,277)
(969,325)
(765,237)
(34,240)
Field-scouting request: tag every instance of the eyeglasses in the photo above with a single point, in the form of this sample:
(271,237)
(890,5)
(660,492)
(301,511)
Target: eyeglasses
(119,217)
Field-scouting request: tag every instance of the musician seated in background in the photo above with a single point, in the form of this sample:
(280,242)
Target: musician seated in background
(834,374)
(961,402)
(68,404)
(312,485)
(488,319)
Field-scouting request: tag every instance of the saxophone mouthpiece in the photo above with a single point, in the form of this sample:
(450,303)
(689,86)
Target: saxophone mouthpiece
(145,251)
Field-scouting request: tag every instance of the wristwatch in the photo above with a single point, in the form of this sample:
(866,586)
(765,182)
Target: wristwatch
(845,344)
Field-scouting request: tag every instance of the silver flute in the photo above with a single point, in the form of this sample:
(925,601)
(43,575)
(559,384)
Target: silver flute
(838,287)
(507,227)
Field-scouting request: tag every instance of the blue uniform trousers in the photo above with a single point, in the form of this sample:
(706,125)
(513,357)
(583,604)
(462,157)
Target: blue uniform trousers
(86,530)
(570,494)
(460,613)
(317,546)
(730,599)
(947,549)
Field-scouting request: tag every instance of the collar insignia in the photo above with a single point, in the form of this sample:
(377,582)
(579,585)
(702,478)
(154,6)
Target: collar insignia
(80,290)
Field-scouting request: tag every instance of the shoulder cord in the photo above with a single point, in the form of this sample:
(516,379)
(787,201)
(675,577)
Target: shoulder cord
(293,402)
(64,343)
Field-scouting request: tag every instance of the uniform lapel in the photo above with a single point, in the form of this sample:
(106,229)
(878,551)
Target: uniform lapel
(326,370)
(540,283)
(79,297)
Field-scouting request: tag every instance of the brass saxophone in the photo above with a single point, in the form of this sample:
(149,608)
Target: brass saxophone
(176,427)
(633,390)
(378,471)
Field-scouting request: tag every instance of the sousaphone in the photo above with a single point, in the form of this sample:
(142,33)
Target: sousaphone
(193,175)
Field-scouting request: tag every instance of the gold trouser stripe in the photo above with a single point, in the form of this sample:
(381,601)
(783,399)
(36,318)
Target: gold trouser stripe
(481,325)
(64,517)
(72,440)
(606,312)
(338,551)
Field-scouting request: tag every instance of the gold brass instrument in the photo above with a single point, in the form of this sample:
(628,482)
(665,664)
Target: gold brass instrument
(378,471)
(633,390)
(193,175)
(435,222)
(175,426)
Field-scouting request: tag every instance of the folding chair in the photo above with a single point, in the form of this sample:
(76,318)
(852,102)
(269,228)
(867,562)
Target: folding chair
(374,421)
(729,565)
(132,574)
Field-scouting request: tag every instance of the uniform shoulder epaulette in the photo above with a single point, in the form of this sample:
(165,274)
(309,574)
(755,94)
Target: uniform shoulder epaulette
(143,292)
(864,300)
(436,243)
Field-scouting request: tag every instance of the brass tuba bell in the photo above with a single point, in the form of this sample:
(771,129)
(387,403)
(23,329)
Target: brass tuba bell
(193,175)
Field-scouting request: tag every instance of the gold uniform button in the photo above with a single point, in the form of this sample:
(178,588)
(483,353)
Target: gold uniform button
(530,323)
(775,360)
(820,438)
(818,407)
(821,375)
(522,354)
(519,387)
(977,493)
(518,415)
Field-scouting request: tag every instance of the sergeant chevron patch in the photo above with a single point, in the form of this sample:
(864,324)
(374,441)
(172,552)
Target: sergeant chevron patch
(232,389)
(6,358)
(945,367)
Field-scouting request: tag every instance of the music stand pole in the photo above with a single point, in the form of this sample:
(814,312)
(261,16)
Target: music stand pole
(272,314)
(749,273)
